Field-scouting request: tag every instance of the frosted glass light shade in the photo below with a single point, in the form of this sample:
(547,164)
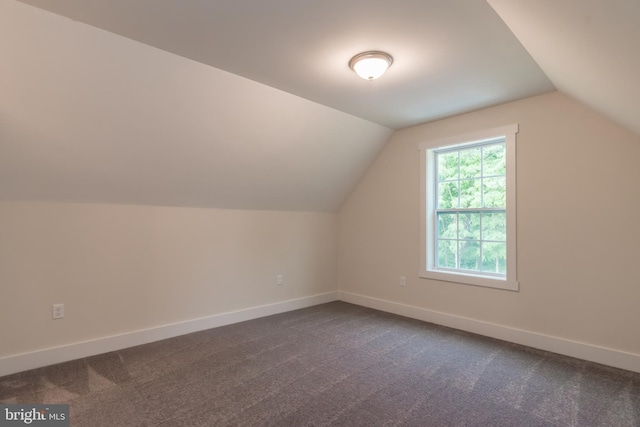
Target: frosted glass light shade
(370,65)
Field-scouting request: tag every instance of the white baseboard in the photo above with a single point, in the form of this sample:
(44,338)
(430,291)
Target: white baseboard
(605,356)
(50,356)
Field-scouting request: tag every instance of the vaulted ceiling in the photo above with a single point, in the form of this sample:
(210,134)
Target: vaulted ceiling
(450,56)
(589,49)
(252,105)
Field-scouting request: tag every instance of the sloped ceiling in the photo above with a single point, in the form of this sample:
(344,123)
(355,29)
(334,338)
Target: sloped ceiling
(450,56)
(252,105)
(89,116)
(590,49)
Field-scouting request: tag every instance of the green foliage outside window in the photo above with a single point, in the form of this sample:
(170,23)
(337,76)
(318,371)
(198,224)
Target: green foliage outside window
(471,208)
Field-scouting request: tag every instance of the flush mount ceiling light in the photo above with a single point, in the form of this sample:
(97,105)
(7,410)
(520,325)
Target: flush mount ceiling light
(370,65)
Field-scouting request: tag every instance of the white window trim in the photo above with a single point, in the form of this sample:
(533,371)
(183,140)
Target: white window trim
(427,218)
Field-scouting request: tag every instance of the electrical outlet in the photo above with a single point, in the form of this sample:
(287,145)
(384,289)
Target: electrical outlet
(280,279)
(57,311)
(403,281)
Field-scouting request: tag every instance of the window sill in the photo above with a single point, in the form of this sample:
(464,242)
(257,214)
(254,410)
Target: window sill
(472,279)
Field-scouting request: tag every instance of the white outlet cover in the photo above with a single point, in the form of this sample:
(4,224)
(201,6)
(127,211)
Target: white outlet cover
(57,311)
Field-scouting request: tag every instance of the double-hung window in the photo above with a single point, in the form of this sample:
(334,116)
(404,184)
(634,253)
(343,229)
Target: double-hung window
(468,209)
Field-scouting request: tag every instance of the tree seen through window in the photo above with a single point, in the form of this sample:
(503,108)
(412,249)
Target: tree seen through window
(471,208)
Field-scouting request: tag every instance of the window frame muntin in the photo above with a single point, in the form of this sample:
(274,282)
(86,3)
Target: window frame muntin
(437,238)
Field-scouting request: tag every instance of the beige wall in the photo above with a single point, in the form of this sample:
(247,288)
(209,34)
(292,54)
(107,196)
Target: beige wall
(122,268)
(578,183)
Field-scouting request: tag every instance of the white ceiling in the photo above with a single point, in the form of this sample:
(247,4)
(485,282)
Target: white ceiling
(590,49)
(251,104)
(450,56)
(89,116)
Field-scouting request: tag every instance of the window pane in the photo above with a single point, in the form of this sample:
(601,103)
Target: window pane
(470,255)
(495,192)
(469,226)
(494,257)
(470,196)
(447,253)
(494,226)
(448,195)
(494,157)
(448,166)
(470,163)
(447,225)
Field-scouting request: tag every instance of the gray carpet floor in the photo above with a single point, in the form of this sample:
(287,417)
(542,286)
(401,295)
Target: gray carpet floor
(334,364)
